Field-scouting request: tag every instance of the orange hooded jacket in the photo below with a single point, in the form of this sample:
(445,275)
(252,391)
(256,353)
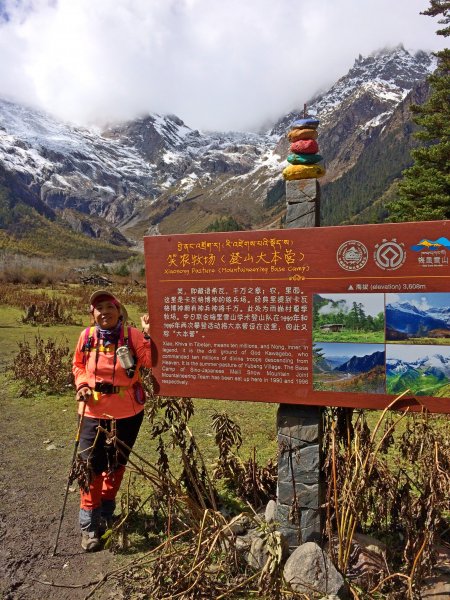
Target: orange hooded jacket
(117,405)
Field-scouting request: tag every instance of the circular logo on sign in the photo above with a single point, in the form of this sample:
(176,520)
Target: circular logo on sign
(352,255)
(389,255)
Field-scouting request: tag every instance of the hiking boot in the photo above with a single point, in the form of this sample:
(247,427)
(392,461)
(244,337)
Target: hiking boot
(90,541)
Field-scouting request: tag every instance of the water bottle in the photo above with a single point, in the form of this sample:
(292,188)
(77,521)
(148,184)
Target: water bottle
(125,357)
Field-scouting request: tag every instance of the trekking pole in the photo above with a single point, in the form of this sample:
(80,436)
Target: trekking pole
(77,442)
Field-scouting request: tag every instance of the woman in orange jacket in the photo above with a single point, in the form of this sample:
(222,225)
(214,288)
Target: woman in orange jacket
(109,393)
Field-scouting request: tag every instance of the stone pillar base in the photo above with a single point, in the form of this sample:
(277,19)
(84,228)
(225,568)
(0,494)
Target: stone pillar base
(299,493)
(303,203)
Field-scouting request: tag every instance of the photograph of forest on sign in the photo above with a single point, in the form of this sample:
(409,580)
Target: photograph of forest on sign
(349,368)
(418,318)
(424,370)
(348,318)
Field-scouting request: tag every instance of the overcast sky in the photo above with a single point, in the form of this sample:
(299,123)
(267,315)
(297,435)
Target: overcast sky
(217,64)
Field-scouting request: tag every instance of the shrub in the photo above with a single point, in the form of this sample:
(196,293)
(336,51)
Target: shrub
(391,485)
(46,366)
(50,312)
(225,224)
(122,270)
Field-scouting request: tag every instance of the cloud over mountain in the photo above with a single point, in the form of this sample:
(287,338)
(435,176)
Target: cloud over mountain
(217,65)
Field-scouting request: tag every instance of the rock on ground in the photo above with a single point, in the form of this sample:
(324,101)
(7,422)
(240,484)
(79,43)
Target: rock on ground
(309,570)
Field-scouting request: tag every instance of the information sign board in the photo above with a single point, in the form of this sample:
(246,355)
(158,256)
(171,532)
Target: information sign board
(345,316)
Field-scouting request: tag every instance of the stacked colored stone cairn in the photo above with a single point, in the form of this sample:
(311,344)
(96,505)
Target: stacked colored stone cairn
(304,157)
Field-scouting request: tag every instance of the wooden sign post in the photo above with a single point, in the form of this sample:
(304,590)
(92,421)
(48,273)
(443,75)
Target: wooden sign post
(320,316)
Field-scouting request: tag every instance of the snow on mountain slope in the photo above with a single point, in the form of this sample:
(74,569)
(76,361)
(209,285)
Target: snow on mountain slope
(407,312)
(360,104)
(109,173)
(152,168)
(73,167)
(436,363)
(388,74)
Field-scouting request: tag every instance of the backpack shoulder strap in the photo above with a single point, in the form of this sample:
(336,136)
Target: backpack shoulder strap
(88,342)
(128,340)
(88,337)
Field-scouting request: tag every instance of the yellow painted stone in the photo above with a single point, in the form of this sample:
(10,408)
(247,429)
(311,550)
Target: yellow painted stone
(303,172)
(302,134)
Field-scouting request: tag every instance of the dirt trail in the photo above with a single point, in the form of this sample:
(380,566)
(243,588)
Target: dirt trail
(32,485)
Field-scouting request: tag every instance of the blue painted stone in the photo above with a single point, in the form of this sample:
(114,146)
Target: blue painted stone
(308,122)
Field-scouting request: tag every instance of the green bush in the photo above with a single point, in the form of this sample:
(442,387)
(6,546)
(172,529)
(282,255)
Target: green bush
(122,270)
(225,224)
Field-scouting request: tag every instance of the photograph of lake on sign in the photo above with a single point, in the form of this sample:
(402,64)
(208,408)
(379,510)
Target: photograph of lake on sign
(349,368)
(418,318)
(348,318)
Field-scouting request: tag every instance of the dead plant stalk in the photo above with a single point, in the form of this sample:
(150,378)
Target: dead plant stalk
(346,517)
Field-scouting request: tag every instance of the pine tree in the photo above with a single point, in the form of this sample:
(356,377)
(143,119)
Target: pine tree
(425,188)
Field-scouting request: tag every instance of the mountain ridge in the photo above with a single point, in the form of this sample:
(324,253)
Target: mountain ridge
(404,320)
(362,364)
(426,376)
(156,175)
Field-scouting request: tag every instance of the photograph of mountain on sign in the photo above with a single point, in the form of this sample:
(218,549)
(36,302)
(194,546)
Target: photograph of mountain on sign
(418,318)
(424,370)
(348,318)
(349,368)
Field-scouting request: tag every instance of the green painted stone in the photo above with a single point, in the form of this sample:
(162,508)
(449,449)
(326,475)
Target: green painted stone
(304,159)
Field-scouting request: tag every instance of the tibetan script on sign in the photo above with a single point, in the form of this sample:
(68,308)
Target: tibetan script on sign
(346,316)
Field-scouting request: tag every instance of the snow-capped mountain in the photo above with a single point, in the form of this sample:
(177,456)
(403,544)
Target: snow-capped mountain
(110,173)
(361,103)
(404,318)
(70,167)
(436,365)
(441,313)
(395,365)
(427,376)
(156,174)
(389,74)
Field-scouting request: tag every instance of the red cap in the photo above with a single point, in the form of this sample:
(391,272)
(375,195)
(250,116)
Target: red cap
(101,295)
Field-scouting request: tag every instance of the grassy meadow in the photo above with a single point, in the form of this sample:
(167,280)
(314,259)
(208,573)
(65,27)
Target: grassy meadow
(366,337)
(421,341)
(391,461)
(257,420)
